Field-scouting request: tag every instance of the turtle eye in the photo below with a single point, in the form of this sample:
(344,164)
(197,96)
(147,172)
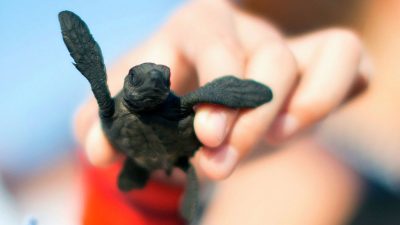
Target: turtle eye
(167,76)
(167,82)
(134,79)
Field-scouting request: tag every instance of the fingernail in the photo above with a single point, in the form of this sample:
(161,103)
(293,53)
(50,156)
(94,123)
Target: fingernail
(284,126)
(219,163)
(218,121)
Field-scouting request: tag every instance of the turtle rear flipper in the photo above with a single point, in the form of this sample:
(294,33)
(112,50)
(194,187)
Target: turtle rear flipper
(231,92)
(190,203)
(88,58)
(132,176)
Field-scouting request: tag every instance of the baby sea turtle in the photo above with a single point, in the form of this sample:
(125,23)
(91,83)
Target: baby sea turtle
(146,121)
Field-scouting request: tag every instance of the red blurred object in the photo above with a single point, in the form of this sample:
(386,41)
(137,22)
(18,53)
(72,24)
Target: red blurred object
(156,204)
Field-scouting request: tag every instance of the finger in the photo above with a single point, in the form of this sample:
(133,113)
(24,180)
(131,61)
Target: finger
(88,132)
(205,33)
(212,123)
(306,47)
(332,72)
(98,150)
(271,64)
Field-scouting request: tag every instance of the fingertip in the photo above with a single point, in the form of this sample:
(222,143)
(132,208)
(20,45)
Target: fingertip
(212,124)
(282,128)
(98,150)
(218,164)
(209,126)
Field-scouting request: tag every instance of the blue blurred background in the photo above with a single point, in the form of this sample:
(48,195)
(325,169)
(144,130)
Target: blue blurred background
(40,89)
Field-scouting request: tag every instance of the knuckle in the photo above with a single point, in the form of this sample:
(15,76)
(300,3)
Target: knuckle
(345,38)
(223,49)
(279,52)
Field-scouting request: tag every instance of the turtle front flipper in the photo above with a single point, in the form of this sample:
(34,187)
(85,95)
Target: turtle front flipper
(190,203)
(231,92)
(88,58)
(132,176)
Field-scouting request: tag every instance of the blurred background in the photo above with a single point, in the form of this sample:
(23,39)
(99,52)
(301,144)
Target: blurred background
(40,92)
(40,175)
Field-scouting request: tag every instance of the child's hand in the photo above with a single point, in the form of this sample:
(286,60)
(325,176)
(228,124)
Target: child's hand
(310,76)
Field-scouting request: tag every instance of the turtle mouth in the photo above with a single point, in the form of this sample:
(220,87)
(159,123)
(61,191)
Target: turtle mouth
(144,100)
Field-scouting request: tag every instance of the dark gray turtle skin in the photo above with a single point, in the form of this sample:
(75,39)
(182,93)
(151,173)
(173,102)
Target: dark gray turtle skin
(146,121)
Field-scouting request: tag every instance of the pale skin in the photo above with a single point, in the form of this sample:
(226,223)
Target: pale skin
(295,185)
(311,75)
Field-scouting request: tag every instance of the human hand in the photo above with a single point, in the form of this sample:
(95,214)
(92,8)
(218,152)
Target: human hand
(310,76)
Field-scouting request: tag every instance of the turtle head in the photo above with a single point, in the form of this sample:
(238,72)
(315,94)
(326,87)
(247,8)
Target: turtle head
(146,86)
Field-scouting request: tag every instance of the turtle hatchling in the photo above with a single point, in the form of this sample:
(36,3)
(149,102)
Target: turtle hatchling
(147,121)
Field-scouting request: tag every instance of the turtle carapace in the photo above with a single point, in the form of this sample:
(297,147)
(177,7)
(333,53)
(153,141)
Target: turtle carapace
(146,121)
